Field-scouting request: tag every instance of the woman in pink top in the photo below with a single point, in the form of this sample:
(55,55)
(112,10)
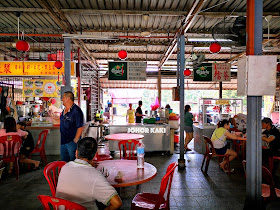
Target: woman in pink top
(10,129)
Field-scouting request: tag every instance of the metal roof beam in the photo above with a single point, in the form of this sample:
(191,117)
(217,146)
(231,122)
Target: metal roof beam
(133,12)
(196,7)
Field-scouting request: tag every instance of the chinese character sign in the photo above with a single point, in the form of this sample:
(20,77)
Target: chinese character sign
(31,68)
(221,72)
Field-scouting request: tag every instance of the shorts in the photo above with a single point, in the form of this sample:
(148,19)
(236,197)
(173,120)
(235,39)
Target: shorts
(221,151)
(188,129)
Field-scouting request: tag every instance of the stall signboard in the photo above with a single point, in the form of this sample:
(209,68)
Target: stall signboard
(32,68)
(222,102)
(136,71)
(41,88)
(203,72)
(221,72)
(133,71)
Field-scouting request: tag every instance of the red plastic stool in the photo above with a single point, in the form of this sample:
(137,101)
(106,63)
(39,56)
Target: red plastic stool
(176,138)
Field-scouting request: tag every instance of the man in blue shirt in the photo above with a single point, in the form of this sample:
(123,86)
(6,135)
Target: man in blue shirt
(71,127)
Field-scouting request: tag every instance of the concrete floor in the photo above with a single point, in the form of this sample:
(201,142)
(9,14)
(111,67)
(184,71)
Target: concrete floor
(191,189)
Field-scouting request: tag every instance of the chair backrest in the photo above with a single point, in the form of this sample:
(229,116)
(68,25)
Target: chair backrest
(207,143)
(165,187)
(9,147)
(51,172)
(266,176)
(42,138)
(56,202)
(128,151)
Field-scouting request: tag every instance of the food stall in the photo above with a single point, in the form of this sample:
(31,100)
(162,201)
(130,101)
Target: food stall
(36,97)
(210,112)
(157,137)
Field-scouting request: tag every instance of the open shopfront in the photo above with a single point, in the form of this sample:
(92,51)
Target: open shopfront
(31,92)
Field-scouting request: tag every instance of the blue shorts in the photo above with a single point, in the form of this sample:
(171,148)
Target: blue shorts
(221,151)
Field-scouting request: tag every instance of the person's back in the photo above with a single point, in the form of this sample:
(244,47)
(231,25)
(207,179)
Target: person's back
(81,183)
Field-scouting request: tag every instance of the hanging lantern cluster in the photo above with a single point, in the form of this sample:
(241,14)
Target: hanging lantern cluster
(187,72)
(215,47)
(22,46)
(122,54)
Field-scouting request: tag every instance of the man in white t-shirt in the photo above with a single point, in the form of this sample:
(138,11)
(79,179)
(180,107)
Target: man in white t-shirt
(81,183)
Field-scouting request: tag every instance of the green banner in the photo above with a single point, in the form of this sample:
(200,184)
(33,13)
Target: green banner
(203,72)
(117,71)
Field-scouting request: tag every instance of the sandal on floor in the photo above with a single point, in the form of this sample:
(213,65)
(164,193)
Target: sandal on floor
(36,168)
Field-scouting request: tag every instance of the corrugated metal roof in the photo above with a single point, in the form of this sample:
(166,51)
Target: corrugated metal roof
(122,21)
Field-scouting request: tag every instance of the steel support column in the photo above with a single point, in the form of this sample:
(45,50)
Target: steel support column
(67,66)
(181,42)
(253,146)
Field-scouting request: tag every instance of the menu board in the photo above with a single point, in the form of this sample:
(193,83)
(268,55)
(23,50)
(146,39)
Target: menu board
(41,88)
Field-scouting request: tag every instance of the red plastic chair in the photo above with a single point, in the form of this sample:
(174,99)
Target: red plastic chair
(271,162)
(210,152)
(156,201)
(128,152)
(102,157)
(56,202)
(268,187)
(42,138)
(51,172)
(10,147)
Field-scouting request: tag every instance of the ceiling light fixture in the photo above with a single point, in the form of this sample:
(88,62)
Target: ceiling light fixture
(204,39)
(89,36)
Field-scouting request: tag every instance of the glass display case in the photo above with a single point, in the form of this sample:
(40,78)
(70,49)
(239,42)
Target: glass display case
(212,110)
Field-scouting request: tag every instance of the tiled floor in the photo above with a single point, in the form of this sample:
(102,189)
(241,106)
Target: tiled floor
(191,189)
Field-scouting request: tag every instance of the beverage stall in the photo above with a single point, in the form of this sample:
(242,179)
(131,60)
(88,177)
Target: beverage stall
(210,112)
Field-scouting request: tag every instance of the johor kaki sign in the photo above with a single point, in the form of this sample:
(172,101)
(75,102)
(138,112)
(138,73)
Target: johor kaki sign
(32,68)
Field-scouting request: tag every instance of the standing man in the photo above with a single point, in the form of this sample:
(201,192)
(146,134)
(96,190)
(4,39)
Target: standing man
(79,181)
(71,127)
(139,113)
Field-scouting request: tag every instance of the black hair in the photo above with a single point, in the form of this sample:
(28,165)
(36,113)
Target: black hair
(10,125)
(267,120)
(167,106)
(231,120)
(22,124)
(222,123)
(140,103)
(87,148)
(70,95)
(187,108)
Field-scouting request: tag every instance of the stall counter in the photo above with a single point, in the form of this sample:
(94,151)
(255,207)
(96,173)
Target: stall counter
(157,137)
(199,132)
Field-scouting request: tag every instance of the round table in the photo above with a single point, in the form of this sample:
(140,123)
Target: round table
(132,175)
(123,136)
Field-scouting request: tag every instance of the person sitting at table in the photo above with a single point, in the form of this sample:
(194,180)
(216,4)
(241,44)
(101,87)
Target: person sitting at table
(219,137)
(9,130)
(79,181)
(271,135)
(27,147)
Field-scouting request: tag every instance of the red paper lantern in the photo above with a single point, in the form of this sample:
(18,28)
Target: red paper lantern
(122,54)
(58,64)
(215,47)
(187,72)
(22,46)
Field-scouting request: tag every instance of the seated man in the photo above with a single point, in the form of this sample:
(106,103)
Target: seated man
(80,182)
(271,135)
